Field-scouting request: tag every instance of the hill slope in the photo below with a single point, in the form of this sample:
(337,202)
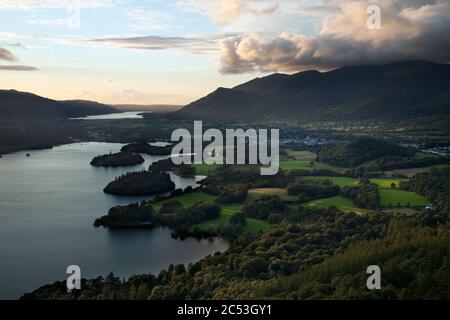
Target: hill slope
(405,89)
(15,104)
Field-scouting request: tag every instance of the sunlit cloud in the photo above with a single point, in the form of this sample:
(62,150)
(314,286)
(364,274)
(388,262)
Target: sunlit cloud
(408,32)
(226,11)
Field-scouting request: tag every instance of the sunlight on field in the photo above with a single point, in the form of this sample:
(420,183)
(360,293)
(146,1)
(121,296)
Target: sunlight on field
(342,203)
(396,198)
(228,210)
(253,194)
(388,183)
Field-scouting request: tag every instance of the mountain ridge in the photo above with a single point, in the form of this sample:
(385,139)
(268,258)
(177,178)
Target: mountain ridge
(18,104)
(401,89)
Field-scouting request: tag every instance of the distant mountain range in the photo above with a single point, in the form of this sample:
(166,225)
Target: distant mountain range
(391,91)
(160,108)
(23,105)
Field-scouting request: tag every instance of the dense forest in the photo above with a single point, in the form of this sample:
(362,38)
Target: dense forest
(140,183)
(132,215)
(117,160)
(365,195)
(143,147)
(171,214)
(359,151)
(310,190)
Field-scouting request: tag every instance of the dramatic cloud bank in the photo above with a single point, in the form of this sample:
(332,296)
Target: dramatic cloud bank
(409,30)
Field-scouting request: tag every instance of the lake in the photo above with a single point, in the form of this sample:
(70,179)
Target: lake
(115,116)
(48,203)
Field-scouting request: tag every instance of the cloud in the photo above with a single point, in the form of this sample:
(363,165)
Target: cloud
(196,45)
(6,55)
(226,11)
(53,4)
(409,30)
(18,68)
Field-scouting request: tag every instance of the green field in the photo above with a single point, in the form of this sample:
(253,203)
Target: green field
(342,203)
(352,182)
(396,197)
(228,210)
(187,200)
(340,181)
(296,165)
(205,169)
(389,197)
(253,225)
(254,194)
(387,183)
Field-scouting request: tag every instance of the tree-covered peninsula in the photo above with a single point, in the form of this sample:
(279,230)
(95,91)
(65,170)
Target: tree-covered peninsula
(130,216)
(141,183)
(120,159)
(143,147)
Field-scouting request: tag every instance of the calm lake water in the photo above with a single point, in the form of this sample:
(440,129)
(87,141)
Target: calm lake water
(48,203)
(115,116)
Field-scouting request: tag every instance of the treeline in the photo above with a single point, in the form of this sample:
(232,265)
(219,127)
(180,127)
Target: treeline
(392,163)
(130,216)
(265,208)
(117,159)
(306,190)
(164,165)
(362,150)
(140,183)
(365,195)
(246,175)
(171,214)
(434,185)
(228,193)
(143,147)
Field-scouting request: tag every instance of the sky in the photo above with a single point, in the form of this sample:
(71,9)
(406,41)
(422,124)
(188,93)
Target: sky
(174,52)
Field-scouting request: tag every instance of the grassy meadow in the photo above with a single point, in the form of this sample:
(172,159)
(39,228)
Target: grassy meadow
(228,210)
(340,202)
